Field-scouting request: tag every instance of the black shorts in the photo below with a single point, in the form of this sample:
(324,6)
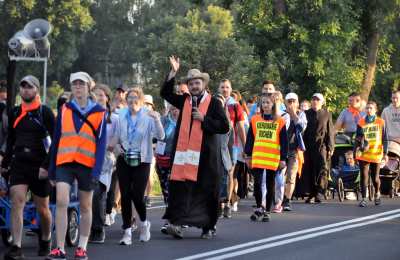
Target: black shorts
(26,174)
(70,171)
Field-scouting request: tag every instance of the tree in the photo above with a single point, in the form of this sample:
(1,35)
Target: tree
(69,18)
(378,20)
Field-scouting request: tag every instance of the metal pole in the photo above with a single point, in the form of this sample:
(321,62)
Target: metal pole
(45,81)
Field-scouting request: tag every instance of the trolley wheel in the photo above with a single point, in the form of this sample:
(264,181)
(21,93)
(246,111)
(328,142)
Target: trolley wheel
(72,237)
(340,189)
(6,237)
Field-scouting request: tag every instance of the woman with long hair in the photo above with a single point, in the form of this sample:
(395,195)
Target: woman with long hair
(137,128)
(267,148)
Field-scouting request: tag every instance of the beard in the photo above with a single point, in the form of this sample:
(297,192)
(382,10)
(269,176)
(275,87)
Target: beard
(28,99)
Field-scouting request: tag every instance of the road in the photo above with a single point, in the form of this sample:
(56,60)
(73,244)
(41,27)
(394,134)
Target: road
(332,230)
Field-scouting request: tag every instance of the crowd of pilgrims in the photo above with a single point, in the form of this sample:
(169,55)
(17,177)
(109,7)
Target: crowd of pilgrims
(208,150)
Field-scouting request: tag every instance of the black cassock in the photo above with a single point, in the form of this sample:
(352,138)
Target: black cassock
(196,203)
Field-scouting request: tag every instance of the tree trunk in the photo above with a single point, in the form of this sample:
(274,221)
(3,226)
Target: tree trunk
(372,54)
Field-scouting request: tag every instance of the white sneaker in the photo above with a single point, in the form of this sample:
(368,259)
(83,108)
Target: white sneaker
(112,216)
(126,238)
(107,221)
(235,207)
(144,231)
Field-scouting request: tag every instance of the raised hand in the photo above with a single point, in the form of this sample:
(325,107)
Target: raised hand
(175,63)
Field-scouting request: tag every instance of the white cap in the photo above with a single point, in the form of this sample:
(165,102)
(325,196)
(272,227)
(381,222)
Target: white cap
(148,99)
(80,76)
(291,95)
(319,96)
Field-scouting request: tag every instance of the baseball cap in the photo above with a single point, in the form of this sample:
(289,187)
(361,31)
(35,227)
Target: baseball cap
(291,95)
(80,76)
(31,80)
(122,87)
(319,96)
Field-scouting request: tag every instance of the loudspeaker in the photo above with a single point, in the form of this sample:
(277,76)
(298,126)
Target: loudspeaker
(21,45)
(38,30)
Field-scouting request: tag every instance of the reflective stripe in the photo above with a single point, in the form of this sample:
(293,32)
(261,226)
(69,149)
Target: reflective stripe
(267,155)
(262,163)
(81,134)
(67,150)
(268,145)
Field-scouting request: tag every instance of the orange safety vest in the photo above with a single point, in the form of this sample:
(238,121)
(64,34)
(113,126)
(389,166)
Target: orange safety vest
(266,149)
(77,147)
(373,134)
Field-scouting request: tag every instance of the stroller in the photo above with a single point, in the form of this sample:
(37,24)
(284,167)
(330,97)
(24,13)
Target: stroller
(389,173)
(342,179)
(31,218)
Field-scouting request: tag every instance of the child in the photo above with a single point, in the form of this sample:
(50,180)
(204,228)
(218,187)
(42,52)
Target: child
(372,147)
(267,145)
(350,164)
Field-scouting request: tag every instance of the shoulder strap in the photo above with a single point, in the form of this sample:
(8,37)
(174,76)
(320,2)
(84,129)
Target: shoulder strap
(86,121)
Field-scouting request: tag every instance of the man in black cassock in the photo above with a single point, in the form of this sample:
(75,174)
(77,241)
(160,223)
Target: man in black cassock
(195,203)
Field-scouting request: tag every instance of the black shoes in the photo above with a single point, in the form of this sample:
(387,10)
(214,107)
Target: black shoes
(44,247)
(97,237)
(287,206)
(15,253)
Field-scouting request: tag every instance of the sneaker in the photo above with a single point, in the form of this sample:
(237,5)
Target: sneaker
(175,231)
(310,200)
(126,238)
(80,254)
(15,252)
(145,235)
(266,217)
(56,254)
(277,209)
(44,247)
(363,203)
(235,207)
(378,199)
(107,221)
(256,215)
(287,205)
(97,237)
(227,212)
(164,229)
(206,234)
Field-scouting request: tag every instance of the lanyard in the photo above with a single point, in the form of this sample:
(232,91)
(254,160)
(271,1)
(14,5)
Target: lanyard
(132,124)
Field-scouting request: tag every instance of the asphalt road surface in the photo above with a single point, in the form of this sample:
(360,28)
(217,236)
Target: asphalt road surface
(332,230)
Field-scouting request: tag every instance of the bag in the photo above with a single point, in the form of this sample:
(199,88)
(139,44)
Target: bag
(163,161)
(132,158)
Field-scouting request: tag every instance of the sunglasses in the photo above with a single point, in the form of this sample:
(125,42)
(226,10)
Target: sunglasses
(291,100)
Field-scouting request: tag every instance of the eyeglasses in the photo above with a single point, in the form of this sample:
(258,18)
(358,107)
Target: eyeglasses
(291,100)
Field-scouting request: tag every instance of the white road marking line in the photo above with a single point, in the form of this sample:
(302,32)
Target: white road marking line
(291,234)
(300,238)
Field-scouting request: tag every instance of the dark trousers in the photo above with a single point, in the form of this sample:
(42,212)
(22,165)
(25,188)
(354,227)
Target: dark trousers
(132,184)
(270,182)
(99,206)
(110,204)
(241,175)
(365,169)
(163,176)
(317,162)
